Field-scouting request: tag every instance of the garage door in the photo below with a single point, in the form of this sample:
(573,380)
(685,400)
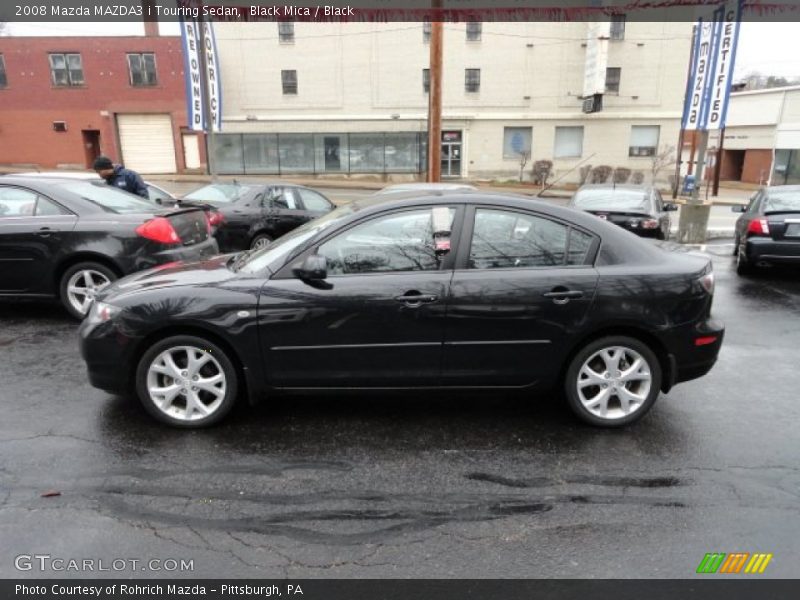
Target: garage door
(147,143)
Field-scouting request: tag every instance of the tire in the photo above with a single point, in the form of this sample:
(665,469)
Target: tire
(208,404)
(743,266)
(735,246)
(260,240)
(586,400)
(80,283)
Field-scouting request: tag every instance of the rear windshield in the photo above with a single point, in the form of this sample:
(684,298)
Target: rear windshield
(781,201)
(611,200)
(110,199)
(219,192)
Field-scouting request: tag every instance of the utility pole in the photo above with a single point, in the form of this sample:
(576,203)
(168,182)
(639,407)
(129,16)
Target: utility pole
(208,120)
(718,162)
(435,99)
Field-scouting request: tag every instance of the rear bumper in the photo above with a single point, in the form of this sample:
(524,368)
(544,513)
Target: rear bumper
(693,350)
(196,252)
(758,249)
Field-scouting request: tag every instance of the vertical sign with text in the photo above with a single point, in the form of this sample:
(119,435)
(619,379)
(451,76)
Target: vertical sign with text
(193,72)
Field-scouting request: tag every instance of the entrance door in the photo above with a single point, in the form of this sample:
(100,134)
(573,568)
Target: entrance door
(451,154)
(332,161)
(91,145)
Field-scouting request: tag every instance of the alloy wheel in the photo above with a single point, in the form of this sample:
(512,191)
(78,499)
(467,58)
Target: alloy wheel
(614,382)
(186,383)
(83,286)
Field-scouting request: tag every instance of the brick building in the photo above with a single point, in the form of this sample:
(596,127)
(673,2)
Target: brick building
(67,99)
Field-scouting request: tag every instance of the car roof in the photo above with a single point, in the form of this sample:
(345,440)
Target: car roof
(626,187)
(783,188)
(60,174)
(432,186)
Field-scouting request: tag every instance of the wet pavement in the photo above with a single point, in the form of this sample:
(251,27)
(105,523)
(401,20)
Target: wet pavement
(417,486)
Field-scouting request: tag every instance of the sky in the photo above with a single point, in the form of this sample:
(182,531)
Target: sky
(763,47)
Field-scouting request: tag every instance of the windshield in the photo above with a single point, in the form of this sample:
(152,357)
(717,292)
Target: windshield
(622,200)
(783,201)
(285,244)
(109,198)
(219,192)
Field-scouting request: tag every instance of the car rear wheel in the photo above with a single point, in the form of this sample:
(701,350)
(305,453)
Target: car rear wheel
(260,241)
(613,381)
(186,381)
(79,285)
(743,265)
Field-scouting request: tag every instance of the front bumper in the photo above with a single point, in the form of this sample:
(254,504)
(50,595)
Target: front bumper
(108,353)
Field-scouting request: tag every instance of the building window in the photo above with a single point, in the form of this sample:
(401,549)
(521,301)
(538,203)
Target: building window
(286,32)
(472,80)
(474,31)
(618,27)
(426,32)
(289,81)
(569,142)
(644,140)
(66,69)
(516,141)
(613,75)
(3,78)
(142,68)
(426,80)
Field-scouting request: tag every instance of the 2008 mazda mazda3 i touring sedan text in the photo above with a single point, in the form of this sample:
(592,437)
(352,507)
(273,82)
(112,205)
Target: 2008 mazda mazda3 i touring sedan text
(461,290)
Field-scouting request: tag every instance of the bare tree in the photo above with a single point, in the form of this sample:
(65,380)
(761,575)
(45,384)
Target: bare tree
(523,160)
(662,159)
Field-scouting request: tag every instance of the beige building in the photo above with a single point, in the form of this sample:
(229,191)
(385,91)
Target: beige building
(352,98)
(762,137)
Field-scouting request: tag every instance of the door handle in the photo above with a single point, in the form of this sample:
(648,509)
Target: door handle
(414,298)
(561,295)
(45,231)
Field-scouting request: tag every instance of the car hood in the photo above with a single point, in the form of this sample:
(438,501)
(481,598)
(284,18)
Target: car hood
(179,274)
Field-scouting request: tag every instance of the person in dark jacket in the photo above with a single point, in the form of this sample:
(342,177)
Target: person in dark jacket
(120,177)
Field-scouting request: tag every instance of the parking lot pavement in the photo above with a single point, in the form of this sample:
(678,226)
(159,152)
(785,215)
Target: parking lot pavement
(413,486)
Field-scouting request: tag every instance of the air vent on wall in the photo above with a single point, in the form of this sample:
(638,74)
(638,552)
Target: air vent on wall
(59,126)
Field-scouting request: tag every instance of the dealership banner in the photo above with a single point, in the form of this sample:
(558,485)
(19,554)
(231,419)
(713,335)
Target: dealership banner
(193,72)
(711,71)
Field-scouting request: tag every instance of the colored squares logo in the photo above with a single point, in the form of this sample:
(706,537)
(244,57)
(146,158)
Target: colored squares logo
(734,563)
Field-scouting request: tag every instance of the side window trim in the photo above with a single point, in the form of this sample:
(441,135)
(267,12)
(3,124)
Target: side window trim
(465,245)
(293,260)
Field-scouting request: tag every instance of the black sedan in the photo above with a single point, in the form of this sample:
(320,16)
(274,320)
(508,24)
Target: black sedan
(464,290)
(639,209)
(768,232)
(251,215)
(67,238)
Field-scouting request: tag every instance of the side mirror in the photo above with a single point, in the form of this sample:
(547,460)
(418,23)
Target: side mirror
(739,208)
(315,268)
(670,207)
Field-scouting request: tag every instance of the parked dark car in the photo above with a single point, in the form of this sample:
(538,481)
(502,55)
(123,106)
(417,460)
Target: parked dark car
(252,214)
(466,290)
(156,194)
(768,233)
(68,239)
(639,209)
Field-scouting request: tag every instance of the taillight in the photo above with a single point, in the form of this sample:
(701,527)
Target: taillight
(758,227)
(159,230)
(214,218)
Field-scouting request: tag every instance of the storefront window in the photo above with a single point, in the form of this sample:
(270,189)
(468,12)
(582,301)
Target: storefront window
(366,153)
(297,152)
(228,153)
(261,153)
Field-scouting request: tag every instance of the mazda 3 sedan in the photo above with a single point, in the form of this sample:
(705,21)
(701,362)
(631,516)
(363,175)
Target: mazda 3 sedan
(440,291)
(637,208)
(67,239)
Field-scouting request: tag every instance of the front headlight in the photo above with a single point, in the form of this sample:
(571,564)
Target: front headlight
(101,312)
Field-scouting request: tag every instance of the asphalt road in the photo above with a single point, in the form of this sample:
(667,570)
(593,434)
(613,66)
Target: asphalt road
(416,486)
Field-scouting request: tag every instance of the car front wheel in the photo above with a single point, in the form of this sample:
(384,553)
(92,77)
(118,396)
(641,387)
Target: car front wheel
(613,381)
(186,381)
